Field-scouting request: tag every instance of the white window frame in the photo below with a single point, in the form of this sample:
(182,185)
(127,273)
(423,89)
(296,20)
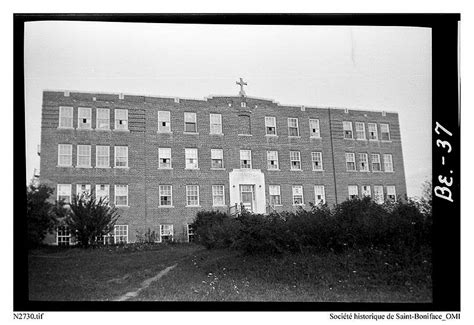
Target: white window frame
(373,132)
(190,233)
(164,117)
(68,155)
(168,192)
(353,190)
(295,156)
(164,153)
(80,191)
(295,194)
(192,196)
(378,194)
(120,231)
(350,159)
(375,162)
(391,191)
(319,190)
(382,126)
(270,122)
(216,194)
(272,155)
(190,118)
(101,122)
(274,191)
(121,122)
(314,129)
(81,115)
(360,131)
(294,126)
(317,156)
(365,190)
(364,162)
(124,156)
(102,156)
(66,119)
(388,163)
(63,236)
(123,194)
(191,154)
(216,156)
(244,165)
(82,155)
(99,194)
(347,130)
(215,123)
(167,230)
(64,190)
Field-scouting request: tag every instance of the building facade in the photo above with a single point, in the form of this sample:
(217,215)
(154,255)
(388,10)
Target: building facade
(161,160)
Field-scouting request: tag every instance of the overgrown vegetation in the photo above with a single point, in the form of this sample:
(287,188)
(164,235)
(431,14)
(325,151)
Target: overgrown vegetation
(40,218)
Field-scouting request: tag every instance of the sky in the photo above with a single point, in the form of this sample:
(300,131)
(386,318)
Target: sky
(358,67)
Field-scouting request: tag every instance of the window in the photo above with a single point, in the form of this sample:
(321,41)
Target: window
(191,156)
(65,155)
(103,119)
(373,135)
(391,195)
(244,124)
(64,192)
(164,158)
(319,195)
(166,233)
(83,189)
(243,104)
(84,118)
(217,158)
(353,191)
(218,198)
(295,160)
(350,161)
(347,127)
(121,195)
(65,117)
(192,195)
(366,190)
(384,132)
(120,234)
(83,155)
(191,233)
(272,160)
(314,128)
(190,124)
(298,195)
(363,162)
(245,159)
(121,156)
(317,160)
(274,192)
(376,162)
(360,130)
(270,125)
(164,122)
(102,191)
(63,236)
(102,156)
(121,119)
(166,197)
(378,194)
(293,130)
(216,123)
(388,163)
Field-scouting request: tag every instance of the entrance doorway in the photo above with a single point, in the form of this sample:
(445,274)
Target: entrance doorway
(247,197)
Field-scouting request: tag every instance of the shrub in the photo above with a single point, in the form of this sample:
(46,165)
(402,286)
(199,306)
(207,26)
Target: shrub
(215,229)
(40,218)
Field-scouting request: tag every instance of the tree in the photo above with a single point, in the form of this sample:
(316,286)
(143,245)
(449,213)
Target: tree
(90,218)
(39,213)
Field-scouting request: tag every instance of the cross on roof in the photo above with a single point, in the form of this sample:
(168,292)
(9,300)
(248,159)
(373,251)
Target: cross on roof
(241,83)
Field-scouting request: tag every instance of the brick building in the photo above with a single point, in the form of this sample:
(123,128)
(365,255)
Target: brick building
(161,160)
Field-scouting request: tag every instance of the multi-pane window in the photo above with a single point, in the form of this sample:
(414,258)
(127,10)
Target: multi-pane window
(83,189)
(373,135)
(103,119)
(166,196)
(102,191)
(190,122)
(121,195)
(347,127)
(360,130)
(272,160)
(293,130)
(244,124)
(376,167)
(270,125)
(298,195)
(64,192)
(217,158)
(378,194)
(274,192)
(295,160)
(391,195)
(121,119)
(353,191)
(164,158)
(314,128)
(164,122)
(350,161)
(319,195)
(245,159)
(84,118)
(191,231)
(216,123)
(83,155)
(121,156)
(366,190)
(191,157)
(65,155)
(63,236)
(65,117)
(102,156)
(192,195)
(120,234)
(384,132)
(387,162)
(317,160)
(363,162)
(166,232)
(218,198)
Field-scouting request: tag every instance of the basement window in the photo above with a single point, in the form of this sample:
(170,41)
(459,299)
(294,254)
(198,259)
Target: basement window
(166,233)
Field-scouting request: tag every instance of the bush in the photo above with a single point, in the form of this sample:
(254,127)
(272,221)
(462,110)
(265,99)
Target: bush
(40,218)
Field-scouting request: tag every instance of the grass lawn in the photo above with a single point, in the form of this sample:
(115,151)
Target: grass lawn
(224,275)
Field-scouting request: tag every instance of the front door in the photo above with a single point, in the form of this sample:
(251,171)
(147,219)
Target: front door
(247,196)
